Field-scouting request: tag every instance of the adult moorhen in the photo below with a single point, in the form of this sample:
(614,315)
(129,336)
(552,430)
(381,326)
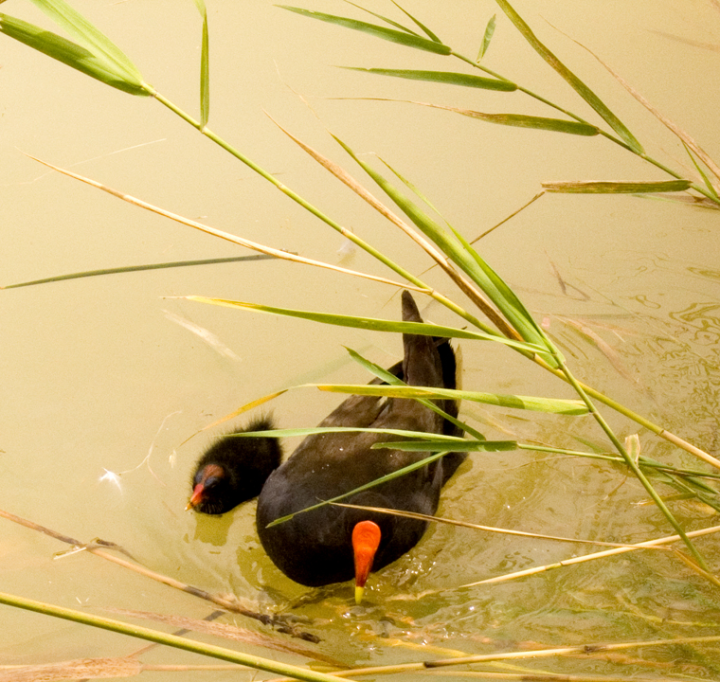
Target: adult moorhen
(332,544)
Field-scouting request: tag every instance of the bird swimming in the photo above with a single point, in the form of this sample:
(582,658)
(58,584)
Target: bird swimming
(333,544)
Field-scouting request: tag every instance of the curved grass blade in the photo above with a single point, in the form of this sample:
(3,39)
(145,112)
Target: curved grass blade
(388,21)
(518,402)
(83,31)
(383,479)
(400,37)
(71,54)
(136,268)
(391,379)
(701,172)
(204,66)
(449,441)
(368,323)
(583,90)
(165,639)
(445,77)
(467,260)
(592,187)
(556,125)
(435,445)
(418,23)
(487,37)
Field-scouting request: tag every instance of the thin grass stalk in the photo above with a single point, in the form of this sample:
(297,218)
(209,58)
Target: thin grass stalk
(291,194)
(642,421)
(587,557)
(631,463)
(589,650)
(440,258)
(100,549)
(255,662)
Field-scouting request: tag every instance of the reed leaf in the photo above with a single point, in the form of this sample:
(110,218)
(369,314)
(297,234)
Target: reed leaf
(551,405)
(166,639)
(447,242)
(487,37)
(418,23)
(460,446)
(555,125)
(445,77)
(400,37)
(135,268)
(368,323)
(387,20)
(592,187)
(449,441)
(89,36)
(204,66)
(73,55)
(583,90)
(378,481)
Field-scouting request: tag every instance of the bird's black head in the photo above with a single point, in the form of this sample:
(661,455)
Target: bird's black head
(234,469)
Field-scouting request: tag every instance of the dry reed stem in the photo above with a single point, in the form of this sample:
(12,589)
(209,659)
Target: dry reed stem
(284,255)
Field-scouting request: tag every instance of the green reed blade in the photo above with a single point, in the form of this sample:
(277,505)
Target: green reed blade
(517,402)
(446,77)
(137,268)
(391,379)
(378,481)
(467,261)
(418,23)
(487,37)
(701,172)
(204,66)
(83,31)
(71,54)
(616,187)
(435,445)
(583,90)
(556,125)
(368,323)
(388,21)
(400,37)
(314,430)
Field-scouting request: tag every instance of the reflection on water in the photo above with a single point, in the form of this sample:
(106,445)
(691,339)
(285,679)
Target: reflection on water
(93,368)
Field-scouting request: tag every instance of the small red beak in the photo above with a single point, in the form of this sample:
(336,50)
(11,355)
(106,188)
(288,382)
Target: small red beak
(365,541)
(196,497)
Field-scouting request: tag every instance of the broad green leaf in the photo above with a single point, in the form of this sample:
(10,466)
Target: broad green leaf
(446,77)
(89,36)
(204,67)
(617,187)
(369,323)
(71,54)
(400,37)
(489,30)
(583,90)
(418,23)
(519,402)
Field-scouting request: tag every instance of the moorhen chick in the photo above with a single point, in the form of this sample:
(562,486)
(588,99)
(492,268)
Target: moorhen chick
(234,470)
(333,544)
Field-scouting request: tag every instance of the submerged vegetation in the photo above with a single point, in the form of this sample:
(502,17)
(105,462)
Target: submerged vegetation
(499,314)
